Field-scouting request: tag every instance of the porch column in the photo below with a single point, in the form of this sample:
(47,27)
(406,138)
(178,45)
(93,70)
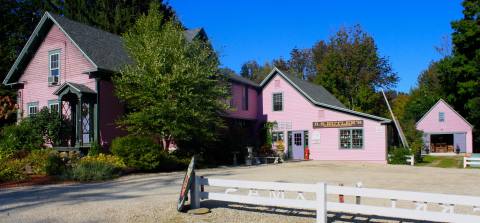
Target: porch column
(78,129)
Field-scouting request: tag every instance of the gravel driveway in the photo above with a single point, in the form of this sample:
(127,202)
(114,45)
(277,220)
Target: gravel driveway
(152,197)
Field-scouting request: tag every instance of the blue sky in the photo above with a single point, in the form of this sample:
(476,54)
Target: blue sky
(405,31)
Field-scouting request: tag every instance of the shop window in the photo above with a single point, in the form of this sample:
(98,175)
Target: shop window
(351,138)
(277,100)
(441,116)
(276,136)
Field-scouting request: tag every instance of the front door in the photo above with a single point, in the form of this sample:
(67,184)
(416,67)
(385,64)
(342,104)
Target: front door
(297,147)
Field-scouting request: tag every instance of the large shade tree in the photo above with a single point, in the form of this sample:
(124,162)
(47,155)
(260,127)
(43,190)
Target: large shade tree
(350,67)
(174,89)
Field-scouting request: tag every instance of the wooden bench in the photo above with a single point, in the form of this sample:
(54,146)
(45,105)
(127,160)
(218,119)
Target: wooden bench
(266,158)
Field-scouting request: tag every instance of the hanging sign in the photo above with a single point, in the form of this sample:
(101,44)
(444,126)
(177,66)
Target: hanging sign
(187,183)
(338,124)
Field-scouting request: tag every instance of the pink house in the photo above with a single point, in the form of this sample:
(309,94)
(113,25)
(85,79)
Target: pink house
(444,130)
(66,66)
(307,115)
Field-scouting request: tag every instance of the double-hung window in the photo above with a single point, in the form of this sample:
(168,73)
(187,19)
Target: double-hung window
(351,138)
(54,67)
(53,105)
(277,101)
(245,98)
(32,108)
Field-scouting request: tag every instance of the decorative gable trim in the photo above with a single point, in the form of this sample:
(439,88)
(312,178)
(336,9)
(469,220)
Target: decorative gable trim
(39,32)
(448,106)
(276,71)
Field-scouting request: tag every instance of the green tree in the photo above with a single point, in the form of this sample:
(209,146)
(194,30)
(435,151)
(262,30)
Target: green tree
(174,89)
(115,16)
(350,67)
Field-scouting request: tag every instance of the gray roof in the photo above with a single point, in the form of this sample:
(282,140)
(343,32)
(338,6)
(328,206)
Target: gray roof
(316,92)
(318,95)
(240,79)
(79,88)
(103,49)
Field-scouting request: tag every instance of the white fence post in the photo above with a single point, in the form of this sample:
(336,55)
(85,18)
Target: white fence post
(464,162)
(321,201)
(195,192)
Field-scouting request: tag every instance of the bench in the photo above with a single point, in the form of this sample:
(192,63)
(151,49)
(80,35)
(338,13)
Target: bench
(266,158)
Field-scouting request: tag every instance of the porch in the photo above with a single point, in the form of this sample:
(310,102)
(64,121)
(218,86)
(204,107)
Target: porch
(78,108)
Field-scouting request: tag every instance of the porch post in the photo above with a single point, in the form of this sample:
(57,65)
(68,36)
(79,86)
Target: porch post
(78,129)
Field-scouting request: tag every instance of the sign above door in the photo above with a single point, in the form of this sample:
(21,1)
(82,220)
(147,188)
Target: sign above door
(338,124)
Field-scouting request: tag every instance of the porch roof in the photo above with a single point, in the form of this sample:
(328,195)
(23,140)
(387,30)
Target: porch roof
(73,87)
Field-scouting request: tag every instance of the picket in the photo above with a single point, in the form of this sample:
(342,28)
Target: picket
(468,161)
(276,197)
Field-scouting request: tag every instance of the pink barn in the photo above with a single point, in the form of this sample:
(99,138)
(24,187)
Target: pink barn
(66,66)
(445,131)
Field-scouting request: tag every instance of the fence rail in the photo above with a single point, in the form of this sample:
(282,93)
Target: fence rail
(468,161)
(277,197)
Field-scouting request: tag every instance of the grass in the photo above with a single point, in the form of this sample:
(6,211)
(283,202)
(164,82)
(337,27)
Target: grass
(442,161)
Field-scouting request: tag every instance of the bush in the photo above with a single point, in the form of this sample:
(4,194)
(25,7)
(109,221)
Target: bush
(138,152)
(38,160)
(54,165)
(12,170)
(142,153)
(15,138)
(96,168)
(397,155)
(94,149)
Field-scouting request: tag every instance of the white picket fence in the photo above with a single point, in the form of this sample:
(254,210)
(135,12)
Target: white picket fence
(277,197)
(471,160)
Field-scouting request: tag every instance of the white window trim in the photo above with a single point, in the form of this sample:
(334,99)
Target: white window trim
(440,118)
(29,111)
(351,139)
(59,67)
(283,101)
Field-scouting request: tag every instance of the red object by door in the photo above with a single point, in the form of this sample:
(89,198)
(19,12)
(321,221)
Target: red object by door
(307,153)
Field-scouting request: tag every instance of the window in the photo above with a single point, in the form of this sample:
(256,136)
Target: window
(32,108)
(54,66)
(277,100)
(441,116)
(305,136)
(245,98)
(276,136)
(297,139)
(53,105)
(351,138)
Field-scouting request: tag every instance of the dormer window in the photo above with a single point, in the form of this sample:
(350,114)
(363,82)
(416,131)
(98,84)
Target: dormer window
(441,116)
(54,67)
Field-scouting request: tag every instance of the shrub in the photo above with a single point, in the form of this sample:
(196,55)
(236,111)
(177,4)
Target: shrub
(54,165)
(38,160)
(142,153)
(138,152)
(19,137)
(95,168)
(50,125)
(397,155)
(94,149)
(12,170)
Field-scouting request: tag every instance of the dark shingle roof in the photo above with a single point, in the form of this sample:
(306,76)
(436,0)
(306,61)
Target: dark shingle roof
(316,92)
(103,48)
(240,79)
